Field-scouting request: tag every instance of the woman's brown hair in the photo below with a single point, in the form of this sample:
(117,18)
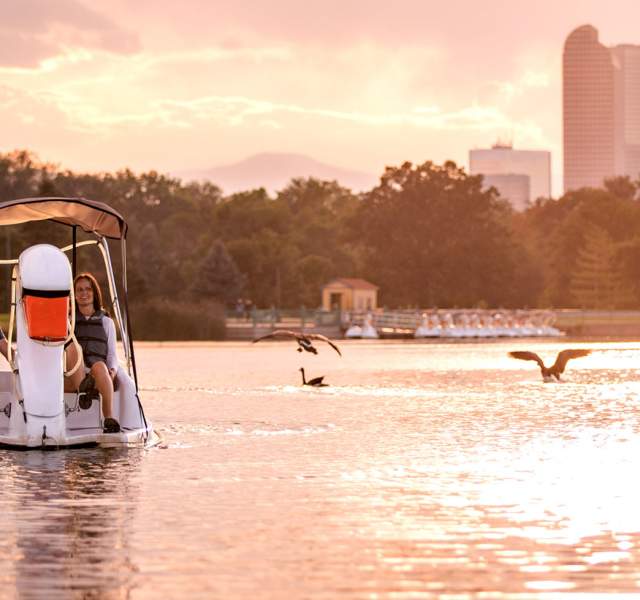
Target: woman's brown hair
(95,287)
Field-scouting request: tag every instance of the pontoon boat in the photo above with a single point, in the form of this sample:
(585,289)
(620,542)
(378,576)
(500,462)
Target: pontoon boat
(34,410)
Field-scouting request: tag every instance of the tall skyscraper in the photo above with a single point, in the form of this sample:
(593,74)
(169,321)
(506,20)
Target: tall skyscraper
(601,109)
(627,90)
(521,176)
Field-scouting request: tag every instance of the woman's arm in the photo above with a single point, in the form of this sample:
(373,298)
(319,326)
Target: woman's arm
(112,355)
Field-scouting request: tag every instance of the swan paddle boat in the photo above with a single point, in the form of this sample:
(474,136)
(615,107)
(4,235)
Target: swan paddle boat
(35,412)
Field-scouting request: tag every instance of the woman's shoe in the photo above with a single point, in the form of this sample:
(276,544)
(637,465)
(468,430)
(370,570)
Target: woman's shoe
(110,425)
(87,392)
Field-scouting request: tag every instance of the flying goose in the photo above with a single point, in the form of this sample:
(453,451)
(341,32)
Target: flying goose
(557,368)
(304,339)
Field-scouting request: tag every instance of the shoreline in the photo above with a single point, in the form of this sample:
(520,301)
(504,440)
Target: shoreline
(598,323)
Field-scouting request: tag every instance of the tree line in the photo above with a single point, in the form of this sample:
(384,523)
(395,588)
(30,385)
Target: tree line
(428,235)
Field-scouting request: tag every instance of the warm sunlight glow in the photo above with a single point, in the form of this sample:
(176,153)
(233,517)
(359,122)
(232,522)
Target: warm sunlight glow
(353,92)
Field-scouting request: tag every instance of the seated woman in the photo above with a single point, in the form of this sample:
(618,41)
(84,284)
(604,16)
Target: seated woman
(96,334)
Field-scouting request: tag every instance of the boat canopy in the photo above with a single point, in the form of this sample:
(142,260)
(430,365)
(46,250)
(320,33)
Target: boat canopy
(91,216)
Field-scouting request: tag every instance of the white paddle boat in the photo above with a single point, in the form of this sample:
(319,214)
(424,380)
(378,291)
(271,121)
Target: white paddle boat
(34,410)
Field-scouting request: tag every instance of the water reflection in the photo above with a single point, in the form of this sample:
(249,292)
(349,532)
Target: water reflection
(432,471)
(71,514)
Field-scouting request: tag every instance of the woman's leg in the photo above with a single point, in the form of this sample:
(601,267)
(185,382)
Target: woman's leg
(72,382)
(104,384)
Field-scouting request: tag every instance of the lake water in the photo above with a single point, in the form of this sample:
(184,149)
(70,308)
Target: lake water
(425,470)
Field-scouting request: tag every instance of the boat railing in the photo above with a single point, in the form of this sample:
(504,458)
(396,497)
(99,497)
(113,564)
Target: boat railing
(396,320)
(299,318)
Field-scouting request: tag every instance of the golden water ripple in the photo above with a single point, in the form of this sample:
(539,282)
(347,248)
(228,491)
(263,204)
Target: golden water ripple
(445,471)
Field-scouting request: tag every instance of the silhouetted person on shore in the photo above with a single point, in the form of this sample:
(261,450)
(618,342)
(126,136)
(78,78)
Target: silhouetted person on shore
(248,308)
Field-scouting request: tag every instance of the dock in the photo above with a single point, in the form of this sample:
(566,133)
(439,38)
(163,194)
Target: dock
(403,323)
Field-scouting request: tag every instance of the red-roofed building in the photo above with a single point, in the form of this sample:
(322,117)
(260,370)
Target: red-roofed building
(349,294)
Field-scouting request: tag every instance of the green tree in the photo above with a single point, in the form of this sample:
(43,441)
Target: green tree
(218,277)
(621,187)
(319,213)
(554,231)
(314,272)
(433,236)
(597,280)
(148,268)
(628,261)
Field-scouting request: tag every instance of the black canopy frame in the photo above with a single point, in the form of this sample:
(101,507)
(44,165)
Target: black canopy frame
(92,217)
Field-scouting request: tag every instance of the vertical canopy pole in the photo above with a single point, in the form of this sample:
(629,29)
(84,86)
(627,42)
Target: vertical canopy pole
(73,254)
(126,310)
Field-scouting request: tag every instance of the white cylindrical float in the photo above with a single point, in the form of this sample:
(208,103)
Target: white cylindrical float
(42,325)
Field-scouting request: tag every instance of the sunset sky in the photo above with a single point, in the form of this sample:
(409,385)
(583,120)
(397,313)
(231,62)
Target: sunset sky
(171,86)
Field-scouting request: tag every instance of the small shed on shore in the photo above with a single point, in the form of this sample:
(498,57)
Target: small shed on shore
(349,294)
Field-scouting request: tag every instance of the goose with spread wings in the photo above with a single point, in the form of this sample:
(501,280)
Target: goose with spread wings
(305,340)
(555,370)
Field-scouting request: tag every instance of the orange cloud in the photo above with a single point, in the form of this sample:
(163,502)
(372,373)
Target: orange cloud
(357,83)
(31,31)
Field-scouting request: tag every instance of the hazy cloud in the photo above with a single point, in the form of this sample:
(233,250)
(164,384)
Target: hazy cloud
(21,50)
(31,30)
(361,84)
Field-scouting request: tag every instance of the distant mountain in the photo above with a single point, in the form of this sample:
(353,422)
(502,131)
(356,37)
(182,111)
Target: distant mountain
(273,171)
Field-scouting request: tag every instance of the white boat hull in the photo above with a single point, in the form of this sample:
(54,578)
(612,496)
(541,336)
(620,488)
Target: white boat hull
(129,439)
(82,427)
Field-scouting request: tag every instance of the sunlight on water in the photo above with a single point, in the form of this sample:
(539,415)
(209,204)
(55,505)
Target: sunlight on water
(425,470)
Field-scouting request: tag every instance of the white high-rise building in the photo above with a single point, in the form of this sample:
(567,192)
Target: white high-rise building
(601,109)
(514,188)
(512,165)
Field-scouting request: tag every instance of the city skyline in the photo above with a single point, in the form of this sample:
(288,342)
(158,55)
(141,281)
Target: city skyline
(97,87)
